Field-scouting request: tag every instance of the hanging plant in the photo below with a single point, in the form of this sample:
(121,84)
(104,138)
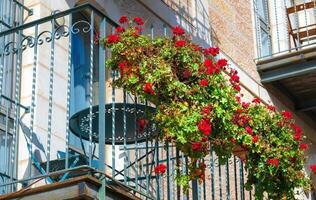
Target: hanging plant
(198,107)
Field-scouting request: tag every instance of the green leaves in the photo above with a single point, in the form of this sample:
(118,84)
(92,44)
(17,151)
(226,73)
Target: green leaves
(174,76)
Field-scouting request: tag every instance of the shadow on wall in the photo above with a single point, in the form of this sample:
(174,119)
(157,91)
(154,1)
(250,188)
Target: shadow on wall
(190,14)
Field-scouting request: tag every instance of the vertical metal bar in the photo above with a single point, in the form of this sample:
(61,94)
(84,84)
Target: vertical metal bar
(168,172)
(277,25)
(212,174)
(50,94)
(147,159)
(102,72)
(91,86)
(157,163)
(306,26)
(14,151)
(235,176)
(242,194)
(124,138)
(69,80)
(32,107)
(227,181)
(297,25)
(135,144)
(6,138)
(220,181)
(178,172)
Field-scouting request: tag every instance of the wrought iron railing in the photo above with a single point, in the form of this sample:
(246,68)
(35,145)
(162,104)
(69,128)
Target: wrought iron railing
(64,119)
(284,26)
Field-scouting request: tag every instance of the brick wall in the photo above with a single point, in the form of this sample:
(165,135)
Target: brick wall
(232,30)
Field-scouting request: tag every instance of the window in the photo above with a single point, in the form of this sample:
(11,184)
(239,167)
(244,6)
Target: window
(5,164)
(263,28)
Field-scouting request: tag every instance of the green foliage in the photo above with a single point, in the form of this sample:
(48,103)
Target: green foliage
(198,108)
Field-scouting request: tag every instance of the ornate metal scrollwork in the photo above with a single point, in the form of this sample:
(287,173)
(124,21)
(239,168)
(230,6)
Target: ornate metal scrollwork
(48,37)
(62,31)
(85,29)
(28,41)
(9,48)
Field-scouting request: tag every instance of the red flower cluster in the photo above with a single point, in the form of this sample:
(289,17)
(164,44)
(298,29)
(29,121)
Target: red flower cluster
(287,115)
(113,39)
(138,21)
(147,88)
(123,19)
(241,119)
(142,123)
(234,79)
(160,169)
(303,147)
(297,132)
(180,43)
(119,29)
(313,168)
(273,162)
(123,67)
(256,100)
(205,126)
(249,130)
(210,67)
(177,30)
(221,63)
(255,138)
(271,107)
(245,105)
(211,51)
(203,82)
(207,110)
(196,146)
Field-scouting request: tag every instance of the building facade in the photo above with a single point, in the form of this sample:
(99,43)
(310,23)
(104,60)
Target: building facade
(53,77)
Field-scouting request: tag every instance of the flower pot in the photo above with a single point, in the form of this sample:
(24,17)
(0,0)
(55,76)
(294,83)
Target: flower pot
(240,152)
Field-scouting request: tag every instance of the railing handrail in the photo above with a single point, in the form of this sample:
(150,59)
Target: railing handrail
(58,15)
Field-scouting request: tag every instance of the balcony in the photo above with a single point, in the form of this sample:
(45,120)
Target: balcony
(286,46)
(65,130)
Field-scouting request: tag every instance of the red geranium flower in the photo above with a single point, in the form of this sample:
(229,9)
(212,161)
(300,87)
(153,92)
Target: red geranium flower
(180,43)
(205,126)
(123,67)
(271,107)
(255,138)
(297,129)
(303,147)
(256,100)
(119,29)
(203,82)
(297,136)
(213,51)
(123,19)
(147,88)
(273,162)
(221,63)
(287,115)
(234,78)
(142,123)
(113,39)
(249,130)
(313,168)
(237,87)
(196,146)
(207,110)
(138,21)
(160,169)
(245,105)
(208,63)
(177,30)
